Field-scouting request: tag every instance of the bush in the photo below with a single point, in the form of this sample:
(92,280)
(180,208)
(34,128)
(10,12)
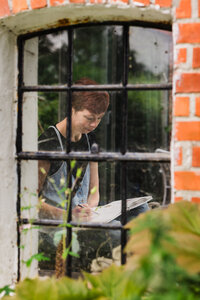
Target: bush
(163,262)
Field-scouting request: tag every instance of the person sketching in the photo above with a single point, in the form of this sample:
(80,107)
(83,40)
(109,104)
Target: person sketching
(88,108)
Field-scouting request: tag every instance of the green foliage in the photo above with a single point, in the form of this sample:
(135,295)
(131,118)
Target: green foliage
(37,256)
(152,274)
(7,290)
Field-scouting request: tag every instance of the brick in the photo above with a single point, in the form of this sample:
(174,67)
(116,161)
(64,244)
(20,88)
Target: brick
(177,199)
(188,131)
(196,199)
(197,106)
(188,83)
(145,2)
(196,58)
(184,9)
(189,33)
(182,106)
(181,56)
(77,1)
(186,180)
(114,1)
(4,8)
(56,2)
(19,5)
(164,3)
(196,156)
(38,3)
(95,1)
(179,157)
(199,8)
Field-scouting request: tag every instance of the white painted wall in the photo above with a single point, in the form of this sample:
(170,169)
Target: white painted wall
(10,27)
(8,175)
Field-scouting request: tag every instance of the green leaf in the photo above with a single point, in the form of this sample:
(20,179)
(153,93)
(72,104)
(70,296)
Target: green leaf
(37,256)
(111,282)
(43,171)
(65,253)
(72,164)
(93,190)
(74,254)
(78,172)
(21,247)
(7,290)
(26,207)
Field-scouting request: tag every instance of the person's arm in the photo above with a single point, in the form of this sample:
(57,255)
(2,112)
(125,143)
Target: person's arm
(93,199)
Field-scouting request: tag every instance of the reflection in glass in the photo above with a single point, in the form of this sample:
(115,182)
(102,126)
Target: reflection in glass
(97,53)
(149,123)
(143,179)
(45,59)
(150,55)
(109,132)
(52,58)
(51,109)
(89,254)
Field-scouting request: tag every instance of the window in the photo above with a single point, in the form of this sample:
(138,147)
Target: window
(133,64)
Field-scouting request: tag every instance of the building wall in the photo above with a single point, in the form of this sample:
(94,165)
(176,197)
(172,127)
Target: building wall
(21,16)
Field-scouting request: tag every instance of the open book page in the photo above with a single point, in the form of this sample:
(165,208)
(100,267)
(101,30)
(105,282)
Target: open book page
(112,210)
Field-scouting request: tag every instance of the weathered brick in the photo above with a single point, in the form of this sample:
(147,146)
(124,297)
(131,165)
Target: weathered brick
(188,131)
(184,9)
(145,2)
(189,33)
(56,2)
(114,1)
(176,199)
(186,180)
(182,106)
(77,1)
(196,156)
(181,56)
(4,8)
(38,3)
(19,5)
(197,106)
(95,1)
(188,83)
(196,199)
(196,58)
(164,3)
(179,156)
(199,8)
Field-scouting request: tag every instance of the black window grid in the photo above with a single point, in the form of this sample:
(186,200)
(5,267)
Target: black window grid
(123,156)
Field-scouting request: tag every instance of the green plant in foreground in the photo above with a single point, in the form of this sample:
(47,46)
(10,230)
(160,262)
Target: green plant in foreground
(154,274)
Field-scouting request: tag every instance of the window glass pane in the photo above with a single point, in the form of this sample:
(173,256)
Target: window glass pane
(91,255)
(108,134)
(30,65)
(149,179)
(98,53)
(47,56)
(149,123)
(45,109)
(150,55)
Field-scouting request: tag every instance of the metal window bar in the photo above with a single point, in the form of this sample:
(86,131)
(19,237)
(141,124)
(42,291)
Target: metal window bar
(68,147)
(19,145)
(123,157)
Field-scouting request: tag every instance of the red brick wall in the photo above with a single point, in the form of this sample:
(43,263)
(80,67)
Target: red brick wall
(186,93)
(10,7)
(187,100)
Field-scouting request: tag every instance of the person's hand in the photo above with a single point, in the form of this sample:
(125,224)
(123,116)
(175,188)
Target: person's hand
(81,213)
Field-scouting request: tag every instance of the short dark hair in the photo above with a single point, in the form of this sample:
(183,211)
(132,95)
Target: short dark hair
(95,101)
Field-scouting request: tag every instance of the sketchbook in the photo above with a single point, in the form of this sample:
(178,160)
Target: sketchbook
(107,213)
